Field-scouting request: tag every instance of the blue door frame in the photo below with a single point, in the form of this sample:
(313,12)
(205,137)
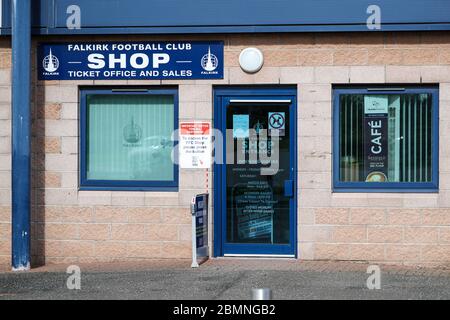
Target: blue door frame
(222,97)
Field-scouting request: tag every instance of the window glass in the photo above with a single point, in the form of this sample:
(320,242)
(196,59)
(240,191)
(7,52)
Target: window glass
(385,138)
(129,137)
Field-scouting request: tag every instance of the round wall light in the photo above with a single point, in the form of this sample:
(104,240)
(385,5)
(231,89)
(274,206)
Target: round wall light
(251,60)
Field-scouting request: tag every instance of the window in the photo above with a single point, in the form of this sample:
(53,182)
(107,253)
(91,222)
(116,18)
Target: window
(126,139)
(385,140)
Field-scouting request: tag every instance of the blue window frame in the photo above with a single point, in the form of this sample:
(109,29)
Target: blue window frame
(126,139)
(263,98)
(386,139)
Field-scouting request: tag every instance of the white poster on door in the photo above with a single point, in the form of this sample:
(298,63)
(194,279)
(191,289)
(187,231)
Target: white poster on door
(195,145)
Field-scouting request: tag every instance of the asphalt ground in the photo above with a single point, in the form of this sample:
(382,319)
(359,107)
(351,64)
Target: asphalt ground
(224,280)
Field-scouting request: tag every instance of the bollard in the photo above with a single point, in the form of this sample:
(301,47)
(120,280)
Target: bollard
(261,294)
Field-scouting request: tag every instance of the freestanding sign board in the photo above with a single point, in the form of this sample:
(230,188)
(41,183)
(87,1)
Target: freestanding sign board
(199,210)
(131,60)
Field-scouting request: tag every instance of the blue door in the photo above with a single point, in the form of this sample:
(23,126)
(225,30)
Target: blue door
(255,185)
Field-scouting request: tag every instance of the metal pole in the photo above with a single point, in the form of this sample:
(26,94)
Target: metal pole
(21,132)
(261,294)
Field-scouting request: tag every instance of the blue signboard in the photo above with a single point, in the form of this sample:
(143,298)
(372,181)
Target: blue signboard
(131,60)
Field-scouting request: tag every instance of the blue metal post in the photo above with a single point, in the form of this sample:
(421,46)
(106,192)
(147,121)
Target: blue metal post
(21,133)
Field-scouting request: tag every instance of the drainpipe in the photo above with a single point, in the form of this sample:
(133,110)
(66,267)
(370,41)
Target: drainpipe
(21,133)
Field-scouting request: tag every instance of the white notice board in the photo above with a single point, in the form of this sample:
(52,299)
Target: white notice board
(195,145)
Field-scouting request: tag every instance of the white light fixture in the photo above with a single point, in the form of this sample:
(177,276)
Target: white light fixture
(251,60)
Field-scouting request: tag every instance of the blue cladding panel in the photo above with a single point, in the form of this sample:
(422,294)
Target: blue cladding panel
(249,12)
(40,13)
(226,16)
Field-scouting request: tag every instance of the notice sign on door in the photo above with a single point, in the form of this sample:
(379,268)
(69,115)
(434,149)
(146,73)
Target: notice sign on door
(195,145)
(277,121)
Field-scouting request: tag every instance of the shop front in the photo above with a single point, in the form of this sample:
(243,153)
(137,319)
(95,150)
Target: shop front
(313,143)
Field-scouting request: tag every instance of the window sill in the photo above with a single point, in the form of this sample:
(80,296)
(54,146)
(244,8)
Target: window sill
(367,190)
(142,189)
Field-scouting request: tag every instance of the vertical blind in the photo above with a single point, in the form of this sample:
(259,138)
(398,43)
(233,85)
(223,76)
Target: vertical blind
(409,138)
(129,137)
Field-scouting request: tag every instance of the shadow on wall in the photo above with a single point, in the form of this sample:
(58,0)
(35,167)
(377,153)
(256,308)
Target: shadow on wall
(39,146)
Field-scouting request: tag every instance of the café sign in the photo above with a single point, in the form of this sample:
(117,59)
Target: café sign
(376,109)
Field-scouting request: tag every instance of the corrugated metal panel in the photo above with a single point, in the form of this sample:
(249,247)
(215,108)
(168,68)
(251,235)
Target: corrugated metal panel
(1,14)
(230,16)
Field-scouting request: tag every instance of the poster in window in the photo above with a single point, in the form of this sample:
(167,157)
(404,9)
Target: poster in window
(375,138)
(253,209)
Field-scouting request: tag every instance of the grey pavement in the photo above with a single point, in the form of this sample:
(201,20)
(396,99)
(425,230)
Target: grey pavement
(222,280)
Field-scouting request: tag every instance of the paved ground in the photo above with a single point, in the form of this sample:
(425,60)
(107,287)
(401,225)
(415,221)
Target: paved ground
(227,279)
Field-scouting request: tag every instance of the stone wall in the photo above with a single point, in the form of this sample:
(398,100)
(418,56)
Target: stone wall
(5,151)
(84,226)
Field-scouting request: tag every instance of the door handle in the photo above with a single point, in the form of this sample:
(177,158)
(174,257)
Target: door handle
(288,188)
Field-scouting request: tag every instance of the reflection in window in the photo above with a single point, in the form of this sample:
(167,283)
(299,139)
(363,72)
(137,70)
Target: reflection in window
(129,137)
